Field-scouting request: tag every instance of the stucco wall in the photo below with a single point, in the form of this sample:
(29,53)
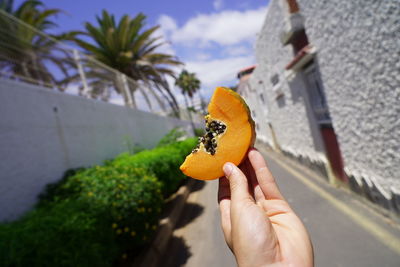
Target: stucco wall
(358,46)
(258,108)
(43,133)
(288,114)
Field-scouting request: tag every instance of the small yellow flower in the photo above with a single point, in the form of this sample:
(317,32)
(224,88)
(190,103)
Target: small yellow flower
(126,229)
(133,233)
(114,225)
(119,231)
(90,194)
(154,227)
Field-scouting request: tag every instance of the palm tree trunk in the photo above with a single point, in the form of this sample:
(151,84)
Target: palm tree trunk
(190,114)
(202,103)
(191,102)
(146,97)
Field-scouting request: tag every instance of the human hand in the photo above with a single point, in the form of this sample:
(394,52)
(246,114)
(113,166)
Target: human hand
(258,224)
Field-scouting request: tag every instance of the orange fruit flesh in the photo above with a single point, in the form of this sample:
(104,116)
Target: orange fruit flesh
(228,107)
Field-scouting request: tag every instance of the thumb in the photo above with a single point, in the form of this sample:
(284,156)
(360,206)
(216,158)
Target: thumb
(237,182)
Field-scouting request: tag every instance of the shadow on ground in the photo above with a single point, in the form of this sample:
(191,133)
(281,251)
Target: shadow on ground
(190,212)
(181,256)
(198,185)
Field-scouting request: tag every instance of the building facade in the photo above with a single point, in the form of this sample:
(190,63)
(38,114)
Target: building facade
(326,90)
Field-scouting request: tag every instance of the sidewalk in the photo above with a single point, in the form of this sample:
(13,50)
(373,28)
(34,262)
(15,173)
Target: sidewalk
(344,230)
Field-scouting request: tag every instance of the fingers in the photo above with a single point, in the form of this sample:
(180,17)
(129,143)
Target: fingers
(264,176)
(254,187)
(225,208)
(238,184)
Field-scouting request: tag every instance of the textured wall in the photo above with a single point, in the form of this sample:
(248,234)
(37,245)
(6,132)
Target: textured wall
(358,46)
(43,133)
(258,109)
(358,55)
(288,114)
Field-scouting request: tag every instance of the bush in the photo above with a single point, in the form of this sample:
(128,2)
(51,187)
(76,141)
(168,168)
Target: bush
(94,215)
(57,235)
(163,162)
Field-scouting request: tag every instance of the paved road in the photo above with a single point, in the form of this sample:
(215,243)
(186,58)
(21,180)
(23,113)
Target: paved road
(344,230)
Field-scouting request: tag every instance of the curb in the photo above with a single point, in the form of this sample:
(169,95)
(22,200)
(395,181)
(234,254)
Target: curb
(166,227)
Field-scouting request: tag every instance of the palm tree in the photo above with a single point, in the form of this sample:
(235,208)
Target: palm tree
(128,48)
(25,52)
(189,85)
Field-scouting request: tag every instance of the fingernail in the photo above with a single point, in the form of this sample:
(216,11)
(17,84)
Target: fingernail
(228,169)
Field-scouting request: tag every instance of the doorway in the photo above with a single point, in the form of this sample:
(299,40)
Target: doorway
(320,109)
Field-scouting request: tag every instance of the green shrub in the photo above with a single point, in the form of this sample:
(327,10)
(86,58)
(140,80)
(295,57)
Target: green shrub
(90,219)
(94,215)
(127,197)
(58,235)
(163,162)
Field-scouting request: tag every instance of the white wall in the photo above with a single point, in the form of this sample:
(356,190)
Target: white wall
(290,114)
(358,56)
(358,46)
(43,133)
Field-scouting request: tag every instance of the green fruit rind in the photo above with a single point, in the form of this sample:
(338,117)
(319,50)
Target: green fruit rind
(251,121)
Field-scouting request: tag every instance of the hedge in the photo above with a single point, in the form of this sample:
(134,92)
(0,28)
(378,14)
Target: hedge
(94,216)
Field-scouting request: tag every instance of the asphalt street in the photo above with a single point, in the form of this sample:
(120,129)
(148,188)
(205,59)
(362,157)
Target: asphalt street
(345,230)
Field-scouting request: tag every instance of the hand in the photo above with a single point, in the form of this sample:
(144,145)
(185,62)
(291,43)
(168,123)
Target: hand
(258,224)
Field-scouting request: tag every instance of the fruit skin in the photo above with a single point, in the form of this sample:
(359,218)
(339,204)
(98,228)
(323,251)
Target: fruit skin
(230,108)
(251,121)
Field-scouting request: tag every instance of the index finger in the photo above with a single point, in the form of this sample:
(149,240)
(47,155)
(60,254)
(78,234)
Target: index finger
(264,176)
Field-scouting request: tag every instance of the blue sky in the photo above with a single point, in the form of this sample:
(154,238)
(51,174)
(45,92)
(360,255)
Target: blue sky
(214,38)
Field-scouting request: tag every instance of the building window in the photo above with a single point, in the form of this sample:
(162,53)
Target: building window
(317,95)
(262,98)
(275,79)
(276,86)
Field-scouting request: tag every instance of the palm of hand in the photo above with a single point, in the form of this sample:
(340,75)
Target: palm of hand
(259,226)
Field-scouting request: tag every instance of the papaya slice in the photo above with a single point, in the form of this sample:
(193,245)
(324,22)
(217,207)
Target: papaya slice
(229,133)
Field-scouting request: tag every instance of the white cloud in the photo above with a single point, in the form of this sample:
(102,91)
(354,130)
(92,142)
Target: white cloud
(202,56)
(225,28)
(238,50)
(214,46)
(218,4)
(167,23)
(218,72)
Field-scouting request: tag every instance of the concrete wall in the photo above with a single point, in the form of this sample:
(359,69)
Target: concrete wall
(258,108)
(43,133)
(358,46)
(358,57)
(289,114)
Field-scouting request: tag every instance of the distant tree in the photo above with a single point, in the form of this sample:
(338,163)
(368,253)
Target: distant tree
(25,52)
(132,50)
(189,85)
